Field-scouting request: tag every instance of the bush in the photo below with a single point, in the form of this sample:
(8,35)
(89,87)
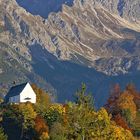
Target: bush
(2,135)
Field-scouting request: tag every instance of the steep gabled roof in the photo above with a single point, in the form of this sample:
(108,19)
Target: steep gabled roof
(15,91)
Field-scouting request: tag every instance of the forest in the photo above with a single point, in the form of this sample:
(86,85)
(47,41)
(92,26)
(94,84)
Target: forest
(118,119)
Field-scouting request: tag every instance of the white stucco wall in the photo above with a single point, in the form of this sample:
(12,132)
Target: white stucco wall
(28,93)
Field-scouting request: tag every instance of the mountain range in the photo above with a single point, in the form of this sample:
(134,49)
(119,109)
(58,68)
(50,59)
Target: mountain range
(59,47)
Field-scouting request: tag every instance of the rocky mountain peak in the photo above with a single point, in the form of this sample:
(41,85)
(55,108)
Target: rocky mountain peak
(98,38)
(128,9)
(87,29)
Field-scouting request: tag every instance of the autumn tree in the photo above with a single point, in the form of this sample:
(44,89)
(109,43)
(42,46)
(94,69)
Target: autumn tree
(41,129)
(111,105)
(54,114)
(126,103)
(22,115)
(130,88)
(123,105)
(43,99)
(83,122)
(57,131)
(25,117)
(106,129)
(77,117)
(120,121)
(2,135)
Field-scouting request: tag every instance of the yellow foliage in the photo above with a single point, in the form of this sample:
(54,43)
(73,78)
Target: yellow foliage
(42,98)
(103,115)
(58,107)
(28,114)
(27,109)
(107,129)
(118,133)
(44,136)
(126,102)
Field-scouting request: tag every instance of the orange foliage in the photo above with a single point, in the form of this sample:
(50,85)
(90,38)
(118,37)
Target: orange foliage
(126,102)
(121,122)
(131,89)
(119,102)
(40,125)
(111,105)
(44,136)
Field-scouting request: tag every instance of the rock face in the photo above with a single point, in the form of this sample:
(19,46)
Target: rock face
(87,29)
(93,38)
(15,37)
(128,9)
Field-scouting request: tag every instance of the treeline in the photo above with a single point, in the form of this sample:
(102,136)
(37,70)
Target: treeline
(124,106)
(78,120)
